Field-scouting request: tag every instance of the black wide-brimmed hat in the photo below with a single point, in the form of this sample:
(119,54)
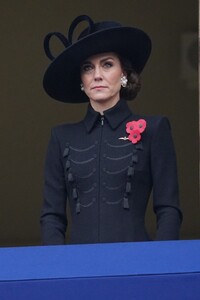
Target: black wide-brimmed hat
(62,77)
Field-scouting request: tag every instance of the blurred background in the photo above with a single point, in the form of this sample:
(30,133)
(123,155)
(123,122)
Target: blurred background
(27,114)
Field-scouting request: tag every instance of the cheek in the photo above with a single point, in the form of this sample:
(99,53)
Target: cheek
(115,78)
(86,80)
(83,79)
(115,81)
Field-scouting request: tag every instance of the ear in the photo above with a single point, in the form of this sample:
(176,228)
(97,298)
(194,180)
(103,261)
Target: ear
(124,73)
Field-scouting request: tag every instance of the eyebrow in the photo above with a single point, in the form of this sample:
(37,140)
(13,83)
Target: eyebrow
(101,60)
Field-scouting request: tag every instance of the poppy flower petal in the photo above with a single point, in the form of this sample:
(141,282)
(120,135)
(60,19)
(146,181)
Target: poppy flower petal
(141,125)
(134,136)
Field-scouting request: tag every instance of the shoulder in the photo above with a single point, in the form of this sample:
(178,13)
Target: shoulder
(153,123)
(64,133)
(67,129)
(157,130)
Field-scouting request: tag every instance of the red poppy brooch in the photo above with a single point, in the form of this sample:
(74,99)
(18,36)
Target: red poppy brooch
(134,129)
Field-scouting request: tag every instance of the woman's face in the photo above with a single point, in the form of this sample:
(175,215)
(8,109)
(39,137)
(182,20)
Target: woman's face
(100,76)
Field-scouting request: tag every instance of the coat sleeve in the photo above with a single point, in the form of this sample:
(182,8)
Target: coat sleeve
(53,217)
(165,182)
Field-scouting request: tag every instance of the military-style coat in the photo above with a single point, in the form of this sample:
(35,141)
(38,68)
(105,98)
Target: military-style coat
(107,181)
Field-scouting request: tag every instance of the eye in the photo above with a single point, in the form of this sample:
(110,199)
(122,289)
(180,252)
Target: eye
(108,64)
(86,68)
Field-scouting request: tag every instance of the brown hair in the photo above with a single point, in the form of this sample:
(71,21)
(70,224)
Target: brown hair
(134,81)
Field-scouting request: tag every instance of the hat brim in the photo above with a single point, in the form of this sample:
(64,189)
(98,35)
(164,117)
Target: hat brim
(62,78)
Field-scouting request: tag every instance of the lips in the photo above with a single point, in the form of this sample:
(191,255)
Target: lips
(98,87)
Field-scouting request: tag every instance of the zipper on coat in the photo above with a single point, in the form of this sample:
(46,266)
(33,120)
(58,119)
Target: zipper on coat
(102,120)
(100,150)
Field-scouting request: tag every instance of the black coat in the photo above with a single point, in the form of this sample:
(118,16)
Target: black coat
(108,180)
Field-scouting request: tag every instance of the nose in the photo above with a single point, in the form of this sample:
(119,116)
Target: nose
(97,74)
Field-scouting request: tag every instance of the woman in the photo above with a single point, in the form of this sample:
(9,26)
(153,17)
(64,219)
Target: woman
(106,166)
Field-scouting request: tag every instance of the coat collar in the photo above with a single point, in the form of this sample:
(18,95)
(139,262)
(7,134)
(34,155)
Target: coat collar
(114,116)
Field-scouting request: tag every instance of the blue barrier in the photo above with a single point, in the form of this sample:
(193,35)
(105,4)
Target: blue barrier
(142,271)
